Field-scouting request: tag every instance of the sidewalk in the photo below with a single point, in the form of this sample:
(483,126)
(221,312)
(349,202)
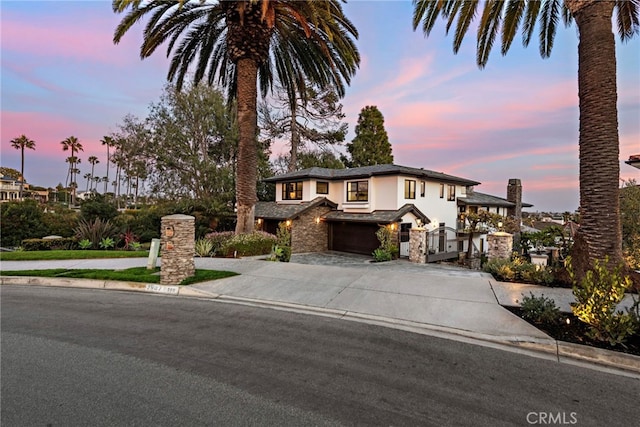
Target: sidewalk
(437,300)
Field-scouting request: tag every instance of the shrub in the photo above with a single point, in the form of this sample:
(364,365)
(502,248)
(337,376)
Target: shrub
(541,310)
(85,244)
(519,270)
(597,297)
(249,244)
(204,247)
(95,231)
(144,223)
(388,250)
(60,222)
(48,244)
(19,221)
(107,243)
(218,239)
(281,251)
(97,207)
(380,255)
(128,238)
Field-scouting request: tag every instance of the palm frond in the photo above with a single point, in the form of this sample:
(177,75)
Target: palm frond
(627,18)
(548,25)
(514,11)
(487,30)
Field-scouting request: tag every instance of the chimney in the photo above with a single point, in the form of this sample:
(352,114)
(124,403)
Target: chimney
(514,195)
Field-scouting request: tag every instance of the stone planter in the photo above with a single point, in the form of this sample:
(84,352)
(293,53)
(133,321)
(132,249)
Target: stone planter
(539,259)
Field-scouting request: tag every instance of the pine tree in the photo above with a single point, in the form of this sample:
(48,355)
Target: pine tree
(371,144)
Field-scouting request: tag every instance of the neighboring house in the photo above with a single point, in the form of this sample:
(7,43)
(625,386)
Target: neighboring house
(341,209)
(634,161)
(10,189)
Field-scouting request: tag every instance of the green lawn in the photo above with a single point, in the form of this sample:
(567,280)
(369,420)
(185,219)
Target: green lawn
(64,254)
(135,274)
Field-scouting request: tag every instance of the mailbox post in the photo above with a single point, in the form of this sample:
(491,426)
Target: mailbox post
(178,248)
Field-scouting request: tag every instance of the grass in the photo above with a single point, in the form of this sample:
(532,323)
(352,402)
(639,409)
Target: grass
(135,274)
(66,254)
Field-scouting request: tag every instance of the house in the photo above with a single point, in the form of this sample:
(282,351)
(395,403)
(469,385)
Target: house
(634,161)
(10,189)
(341,209)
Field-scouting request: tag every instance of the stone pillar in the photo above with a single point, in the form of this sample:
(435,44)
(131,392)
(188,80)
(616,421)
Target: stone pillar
(418,245)
(500,245)
(178,248)
(514,195)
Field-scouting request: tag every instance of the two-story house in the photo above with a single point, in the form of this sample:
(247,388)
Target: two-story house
(341,209)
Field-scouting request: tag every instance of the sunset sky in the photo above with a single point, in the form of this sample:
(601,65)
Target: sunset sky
(518,118)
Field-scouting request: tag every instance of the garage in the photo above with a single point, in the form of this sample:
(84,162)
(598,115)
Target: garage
(353,237)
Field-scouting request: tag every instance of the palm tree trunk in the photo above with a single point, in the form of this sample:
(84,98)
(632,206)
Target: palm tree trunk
(295,138)
(247,173)
(600,228)
(21,172)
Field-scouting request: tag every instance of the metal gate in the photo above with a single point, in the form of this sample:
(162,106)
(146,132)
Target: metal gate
(404,239)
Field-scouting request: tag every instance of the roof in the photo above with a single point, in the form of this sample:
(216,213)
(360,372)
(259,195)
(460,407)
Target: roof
(634,160)
(380,216)
(280,211)
(368,171)
(482,199)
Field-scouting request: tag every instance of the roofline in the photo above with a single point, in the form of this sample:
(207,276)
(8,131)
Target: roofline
(310,174)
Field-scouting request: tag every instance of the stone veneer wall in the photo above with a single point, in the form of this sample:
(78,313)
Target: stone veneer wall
(177,250)
(307,235)
(500,245)
(418,245)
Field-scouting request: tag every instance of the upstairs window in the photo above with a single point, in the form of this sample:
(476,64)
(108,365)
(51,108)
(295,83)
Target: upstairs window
(292,191)
(423,188)
(409,189)
(358,191)
(442,191)
(322,187)
(452,193)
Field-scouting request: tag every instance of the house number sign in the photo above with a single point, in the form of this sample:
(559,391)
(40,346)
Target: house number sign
(169,232)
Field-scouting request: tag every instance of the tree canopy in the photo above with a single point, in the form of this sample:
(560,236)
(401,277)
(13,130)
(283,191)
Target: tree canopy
(371,144)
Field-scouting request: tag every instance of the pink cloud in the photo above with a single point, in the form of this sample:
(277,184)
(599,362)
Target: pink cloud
(47,131)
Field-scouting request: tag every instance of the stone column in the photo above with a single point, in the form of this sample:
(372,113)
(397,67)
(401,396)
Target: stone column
(178,248)
(500,245)
(514,195)
(418,245)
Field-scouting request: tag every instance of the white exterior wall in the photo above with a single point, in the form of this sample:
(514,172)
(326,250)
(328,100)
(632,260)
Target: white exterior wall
(385,193)
(436,209)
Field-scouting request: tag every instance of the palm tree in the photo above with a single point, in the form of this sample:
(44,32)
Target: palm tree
(87,176)
(74,145)
(105,179)
(245,43)
(93,160)
(600,230)
(20,143)
(109,142)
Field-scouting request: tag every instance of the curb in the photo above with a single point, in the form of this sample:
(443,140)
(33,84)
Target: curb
(560,351)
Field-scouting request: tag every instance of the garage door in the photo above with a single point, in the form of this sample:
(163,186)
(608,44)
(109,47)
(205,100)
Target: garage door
(354,237)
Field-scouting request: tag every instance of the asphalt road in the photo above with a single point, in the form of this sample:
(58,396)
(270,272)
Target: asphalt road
(86,357)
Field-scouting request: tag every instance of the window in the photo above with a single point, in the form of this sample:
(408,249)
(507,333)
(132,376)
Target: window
(409,189)
(442,191)
(452,193)
(357,191)
(322,187)
(423,188)
(292,191)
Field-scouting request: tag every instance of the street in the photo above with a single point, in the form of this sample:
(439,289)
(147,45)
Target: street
(90,357)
